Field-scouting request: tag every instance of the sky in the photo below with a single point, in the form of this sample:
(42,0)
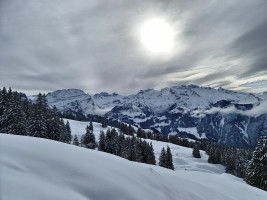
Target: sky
(96,46)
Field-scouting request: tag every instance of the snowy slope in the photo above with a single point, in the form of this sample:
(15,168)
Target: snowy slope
(182,156)
(34,168)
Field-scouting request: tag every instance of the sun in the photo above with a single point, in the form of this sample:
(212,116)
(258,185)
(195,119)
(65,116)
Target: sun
(157,36)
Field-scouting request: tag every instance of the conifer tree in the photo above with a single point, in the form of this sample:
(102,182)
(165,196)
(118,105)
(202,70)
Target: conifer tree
(111,141)
(38,127)
(134,151)
(68,129)
(89,138)
(169,161)
(162,158)
(230,166)
(5,110)
(151,156)
(104,124)
(121,144)
(3,102)
(63,132)
(196,152)
(75,141)
(17,122)
(115,142)
(91,127)
(54,125)
(102,141)
(108,142)
(256,173)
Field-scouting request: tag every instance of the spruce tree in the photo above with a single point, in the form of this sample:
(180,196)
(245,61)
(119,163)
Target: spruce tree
(104,123)
(196,152)
(144,151)
(112,141)
(37,122)
(115,142)
(162,158)
(6,112)
(3,107)
(256,173)
(89,138)
(151,155)
(17,122)
(54,125)
(230,165)
(169,161)
(121,144)
(75,141)
(102,141)
(63,132)
(68,129)
(108,142)
(91,127)
(134,151)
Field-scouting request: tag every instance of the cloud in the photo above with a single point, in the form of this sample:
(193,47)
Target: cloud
(94,45)
(252,45)
(255,111)
(255,84)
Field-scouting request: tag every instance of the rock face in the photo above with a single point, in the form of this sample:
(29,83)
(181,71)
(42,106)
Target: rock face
(224,116)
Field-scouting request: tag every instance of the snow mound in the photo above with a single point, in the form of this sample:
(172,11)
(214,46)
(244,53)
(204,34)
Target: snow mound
(35,168)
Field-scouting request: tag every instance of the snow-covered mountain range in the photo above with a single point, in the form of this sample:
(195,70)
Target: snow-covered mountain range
(224,116)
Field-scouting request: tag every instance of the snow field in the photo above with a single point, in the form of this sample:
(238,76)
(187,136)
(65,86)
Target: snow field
(35,168)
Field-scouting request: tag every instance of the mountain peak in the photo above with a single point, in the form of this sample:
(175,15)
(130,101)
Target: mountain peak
(65,92)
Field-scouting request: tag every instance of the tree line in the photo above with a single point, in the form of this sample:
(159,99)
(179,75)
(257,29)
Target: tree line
(21,117)
(131,148)
(244,163)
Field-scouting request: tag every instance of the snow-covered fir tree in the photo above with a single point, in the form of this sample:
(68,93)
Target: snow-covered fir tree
(256,173)
(22,117)
(37,121)
(89,137)
(15,117)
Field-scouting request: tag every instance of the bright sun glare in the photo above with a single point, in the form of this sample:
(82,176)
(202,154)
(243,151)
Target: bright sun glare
(157,36)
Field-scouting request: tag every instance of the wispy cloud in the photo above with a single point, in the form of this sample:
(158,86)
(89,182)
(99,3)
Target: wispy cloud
(94,45)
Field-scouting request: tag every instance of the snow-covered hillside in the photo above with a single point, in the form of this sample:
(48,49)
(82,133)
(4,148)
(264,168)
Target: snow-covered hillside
(34,168)
(182,156)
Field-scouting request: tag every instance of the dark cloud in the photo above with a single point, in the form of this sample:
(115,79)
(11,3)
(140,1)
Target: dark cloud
(94,45)
(253,45)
